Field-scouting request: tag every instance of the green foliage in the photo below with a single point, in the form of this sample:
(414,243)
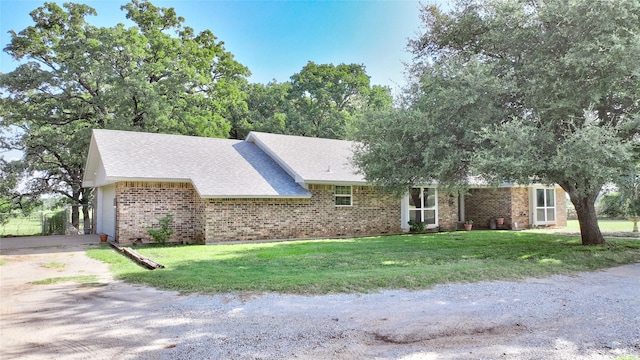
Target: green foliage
(328,98)
(268,110)
(611,205)
(493,97)
(55,224)
(164,231)
(417,227)
(629,185)
(321,100)
(155,76)
(367,264)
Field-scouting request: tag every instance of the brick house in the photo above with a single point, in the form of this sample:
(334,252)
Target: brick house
(272,186)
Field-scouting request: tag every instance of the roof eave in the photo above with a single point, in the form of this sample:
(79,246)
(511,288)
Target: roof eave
(245,196)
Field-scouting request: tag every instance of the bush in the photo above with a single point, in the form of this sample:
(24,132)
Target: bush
(417,227)
(611,205)
(56,223)
(164,232)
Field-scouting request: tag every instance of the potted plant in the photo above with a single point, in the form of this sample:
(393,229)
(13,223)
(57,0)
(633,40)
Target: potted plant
(103,237)
(468,225)
(500,221)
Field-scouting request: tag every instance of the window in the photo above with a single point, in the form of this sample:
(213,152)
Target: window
(423,206)
(343,195)
(545,211)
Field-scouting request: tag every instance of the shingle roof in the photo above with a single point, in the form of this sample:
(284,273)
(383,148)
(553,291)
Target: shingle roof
(310,160)
(215,167)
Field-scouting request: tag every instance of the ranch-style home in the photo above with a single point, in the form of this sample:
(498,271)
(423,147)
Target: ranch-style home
(272,186)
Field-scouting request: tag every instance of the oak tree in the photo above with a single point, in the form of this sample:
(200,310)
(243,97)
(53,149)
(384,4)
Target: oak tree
(156,76)
(516,90)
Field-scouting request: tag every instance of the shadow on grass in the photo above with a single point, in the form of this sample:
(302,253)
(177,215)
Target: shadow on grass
(369,264)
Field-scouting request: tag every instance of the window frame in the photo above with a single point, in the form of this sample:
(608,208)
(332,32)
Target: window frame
(422,209)
(336,195)
(546,206)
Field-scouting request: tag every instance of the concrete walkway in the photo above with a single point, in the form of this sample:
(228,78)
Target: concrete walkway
(25,242)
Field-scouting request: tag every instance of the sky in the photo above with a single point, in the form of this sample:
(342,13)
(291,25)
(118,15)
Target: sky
(275,39)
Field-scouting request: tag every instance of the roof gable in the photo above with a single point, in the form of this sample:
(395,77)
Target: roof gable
(215,167)
(310,160)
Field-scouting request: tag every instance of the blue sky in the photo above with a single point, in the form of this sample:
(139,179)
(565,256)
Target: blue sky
(275,39)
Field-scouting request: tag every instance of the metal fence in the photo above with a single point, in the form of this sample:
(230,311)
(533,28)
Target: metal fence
(44,222)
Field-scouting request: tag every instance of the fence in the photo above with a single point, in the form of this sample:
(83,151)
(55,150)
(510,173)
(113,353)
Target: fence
(46,222)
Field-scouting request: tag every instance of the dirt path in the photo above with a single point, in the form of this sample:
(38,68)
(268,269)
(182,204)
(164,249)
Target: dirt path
(587,316)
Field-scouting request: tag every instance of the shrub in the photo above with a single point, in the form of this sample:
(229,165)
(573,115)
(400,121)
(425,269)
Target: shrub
(417,227)
(55,224)
(164,232)
(611,205)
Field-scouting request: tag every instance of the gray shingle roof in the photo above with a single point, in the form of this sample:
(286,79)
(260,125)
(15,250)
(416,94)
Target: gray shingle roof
(310,160)
(215,167)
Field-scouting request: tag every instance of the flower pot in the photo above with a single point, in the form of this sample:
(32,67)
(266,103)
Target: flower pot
(468,226)
(500,221)
(103,237)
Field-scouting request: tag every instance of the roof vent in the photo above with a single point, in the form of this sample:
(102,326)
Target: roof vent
(329,169)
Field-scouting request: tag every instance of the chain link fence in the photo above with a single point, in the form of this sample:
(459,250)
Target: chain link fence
(46,222)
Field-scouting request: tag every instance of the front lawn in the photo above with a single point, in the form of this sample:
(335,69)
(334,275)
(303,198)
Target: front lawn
(367,264)
(606,226)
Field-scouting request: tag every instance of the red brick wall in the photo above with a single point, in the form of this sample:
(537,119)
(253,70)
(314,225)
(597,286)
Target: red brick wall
(447,211)
(512,203)
(519,208)
(561,208)
(252,219)
(140,205)
(482,205)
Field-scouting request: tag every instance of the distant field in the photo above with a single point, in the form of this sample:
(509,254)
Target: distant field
(29,225)
(22,226)
(605,226)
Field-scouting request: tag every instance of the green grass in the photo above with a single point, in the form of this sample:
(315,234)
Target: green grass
(83,279)
(54,265)
(367,264)
(3,262)
(621,228)
(22,226)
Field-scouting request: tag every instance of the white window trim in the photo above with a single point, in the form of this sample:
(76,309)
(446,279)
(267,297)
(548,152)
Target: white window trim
(435,206)
(533,208)
(336,196)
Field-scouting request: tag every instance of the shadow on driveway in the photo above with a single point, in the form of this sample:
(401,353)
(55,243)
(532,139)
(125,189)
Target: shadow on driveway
(40,244)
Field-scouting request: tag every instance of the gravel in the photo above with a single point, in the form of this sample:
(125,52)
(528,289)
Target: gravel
(594,315)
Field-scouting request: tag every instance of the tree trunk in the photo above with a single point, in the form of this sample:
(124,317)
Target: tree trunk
(75,216)
(586,211)
(86,218)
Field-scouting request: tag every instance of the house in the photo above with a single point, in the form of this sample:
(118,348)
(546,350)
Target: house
(272,186)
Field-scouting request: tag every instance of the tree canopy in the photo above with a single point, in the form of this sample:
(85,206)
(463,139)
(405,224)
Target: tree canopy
(516,90)
(156,76)
(322,100)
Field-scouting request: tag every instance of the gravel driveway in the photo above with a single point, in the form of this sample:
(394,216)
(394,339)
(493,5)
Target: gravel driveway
(586,316)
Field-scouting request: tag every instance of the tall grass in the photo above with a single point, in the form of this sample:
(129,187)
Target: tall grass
(368,264)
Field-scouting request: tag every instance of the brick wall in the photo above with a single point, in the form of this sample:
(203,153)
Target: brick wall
(512,203)
(141,204)
(196,220)
(561,208)
(447,211)
(482,205)
(519,208)
(252,219)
